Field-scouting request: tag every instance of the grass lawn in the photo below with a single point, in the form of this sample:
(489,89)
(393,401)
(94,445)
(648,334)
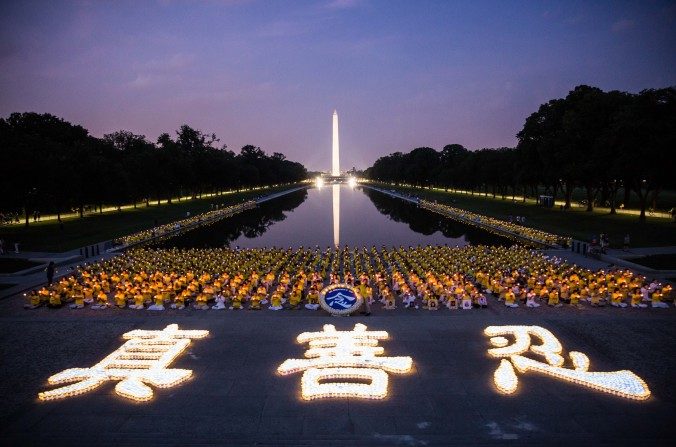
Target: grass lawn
(93,228)
(659,262)
(576,223)
(11,265)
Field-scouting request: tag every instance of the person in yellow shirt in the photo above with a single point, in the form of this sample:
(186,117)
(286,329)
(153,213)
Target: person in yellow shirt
(553,298)
(565,293)
(595,298)
(275,301)
(369,294)
(312,299)
(44,296)
(179,300)
(201,301)
(120,299)
(262,293)
(33,300)
(636,298)
(88,295)
(101,301)
(79,302)
(666,293)
(236,303)
(656,299)
(158,302)
(510,299)
(54,299)
(138,300)
(255,302)
(294,299)
(616,298)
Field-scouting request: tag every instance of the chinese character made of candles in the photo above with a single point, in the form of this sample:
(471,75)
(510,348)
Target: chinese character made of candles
(621,383)
(141,360)
(338,355)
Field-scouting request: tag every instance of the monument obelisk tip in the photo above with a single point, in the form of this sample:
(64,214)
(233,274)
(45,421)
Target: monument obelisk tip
(335,167)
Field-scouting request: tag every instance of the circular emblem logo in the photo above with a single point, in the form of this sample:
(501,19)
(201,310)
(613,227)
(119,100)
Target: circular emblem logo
(340,299)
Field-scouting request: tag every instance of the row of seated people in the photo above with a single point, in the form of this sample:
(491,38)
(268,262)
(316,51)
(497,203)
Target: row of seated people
(428,277)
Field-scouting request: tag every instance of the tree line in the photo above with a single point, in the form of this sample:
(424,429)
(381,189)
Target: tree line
(602,142)
(54,166)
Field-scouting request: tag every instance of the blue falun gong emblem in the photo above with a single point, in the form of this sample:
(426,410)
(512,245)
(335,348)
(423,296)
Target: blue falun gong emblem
(340,299)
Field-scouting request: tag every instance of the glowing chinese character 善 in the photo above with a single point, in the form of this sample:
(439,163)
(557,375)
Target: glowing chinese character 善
(141,360)
(621,383)
(338,355)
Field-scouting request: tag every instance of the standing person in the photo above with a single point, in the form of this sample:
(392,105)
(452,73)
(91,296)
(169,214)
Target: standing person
(50,273)
(366,303)
(2,246)
(626,242)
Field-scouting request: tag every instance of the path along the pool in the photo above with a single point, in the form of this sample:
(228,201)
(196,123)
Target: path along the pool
(67,262)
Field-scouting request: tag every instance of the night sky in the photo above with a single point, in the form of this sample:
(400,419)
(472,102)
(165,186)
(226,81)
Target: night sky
(402,74)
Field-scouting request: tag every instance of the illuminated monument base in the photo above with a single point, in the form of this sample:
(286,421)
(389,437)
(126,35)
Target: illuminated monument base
(334,179)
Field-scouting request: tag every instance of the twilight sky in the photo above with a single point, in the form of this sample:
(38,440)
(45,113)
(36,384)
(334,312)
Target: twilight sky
(402,74)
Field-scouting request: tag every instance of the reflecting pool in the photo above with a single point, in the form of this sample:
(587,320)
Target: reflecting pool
(334,215)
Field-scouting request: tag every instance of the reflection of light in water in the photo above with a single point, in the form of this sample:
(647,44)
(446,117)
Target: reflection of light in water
(336,215)
(319,182)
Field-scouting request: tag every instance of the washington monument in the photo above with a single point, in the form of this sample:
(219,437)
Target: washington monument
(335,165)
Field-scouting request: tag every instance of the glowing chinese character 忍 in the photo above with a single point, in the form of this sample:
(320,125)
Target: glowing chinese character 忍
(622,383)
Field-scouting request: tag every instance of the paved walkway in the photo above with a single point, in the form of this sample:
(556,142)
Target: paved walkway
(642,251)
(67,262)
(236,398)
(280,194)
(392,193)
(38,276)
(557,203)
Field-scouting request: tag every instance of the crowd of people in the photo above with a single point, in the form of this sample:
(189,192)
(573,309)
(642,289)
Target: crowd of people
(517,230)
(162,230)
(429,277)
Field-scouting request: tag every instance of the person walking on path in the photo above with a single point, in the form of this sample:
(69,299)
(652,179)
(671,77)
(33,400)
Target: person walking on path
(50,273)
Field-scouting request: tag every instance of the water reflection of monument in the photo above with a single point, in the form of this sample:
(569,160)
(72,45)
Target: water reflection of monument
(335,179)
(336,214)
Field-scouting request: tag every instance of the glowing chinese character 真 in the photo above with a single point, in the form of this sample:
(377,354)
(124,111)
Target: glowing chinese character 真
(141,360)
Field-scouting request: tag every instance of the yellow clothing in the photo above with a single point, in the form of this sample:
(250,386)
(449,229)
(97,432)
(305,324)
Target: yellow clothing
(120,299)
(553,298)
